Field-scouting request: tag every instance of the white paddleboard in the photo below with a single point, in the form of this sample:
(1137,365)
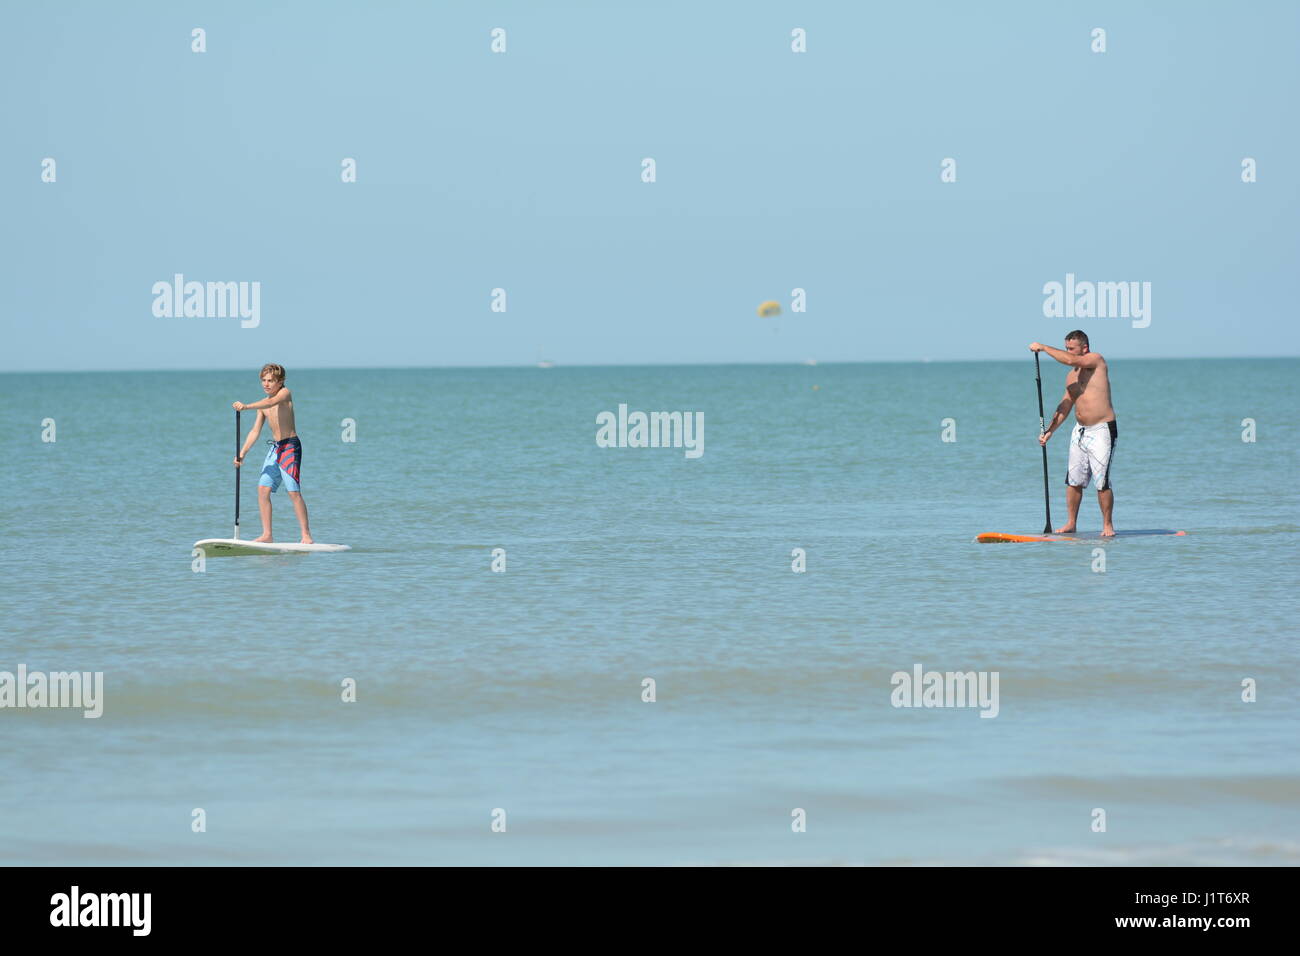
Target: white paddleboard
(231,547)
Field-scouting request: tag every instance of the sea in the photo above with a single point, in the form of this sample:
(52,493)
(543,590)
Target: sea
(542,650)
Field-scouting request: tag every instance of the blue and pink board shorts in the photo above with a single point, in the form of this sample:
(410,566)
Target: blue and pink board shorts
(283,465)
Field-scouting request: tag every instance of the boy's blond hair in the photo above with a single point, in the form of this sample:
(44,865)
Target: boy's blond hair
(277,371)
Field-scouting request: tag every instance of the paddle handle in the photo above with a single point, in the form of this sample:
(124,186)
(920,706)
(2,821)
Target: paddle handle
(237,471)
(1042,430)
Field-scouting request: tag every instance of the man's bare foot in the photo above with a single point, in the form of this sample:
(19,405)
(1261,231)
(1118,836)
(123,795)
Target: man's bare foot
(306,539)
(1065,529)
(1108,532)
(263,537)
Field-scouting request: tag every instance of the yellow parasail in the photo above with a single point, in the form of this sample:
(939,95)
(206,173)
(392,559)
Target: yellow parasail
(769,309)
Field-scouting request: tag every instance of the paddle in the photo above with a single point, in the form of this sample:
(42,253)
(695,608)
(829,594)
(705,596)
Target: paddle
(1042,430)
(237,470)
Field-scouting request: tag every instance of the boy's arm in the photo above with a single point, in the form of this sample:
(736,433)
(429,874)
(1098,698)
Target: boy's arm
(281,396)
(252,434)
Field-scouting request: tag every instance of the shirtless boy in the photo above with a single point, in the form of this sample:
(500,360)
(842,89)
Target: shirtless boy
(1092,440)
(284,461)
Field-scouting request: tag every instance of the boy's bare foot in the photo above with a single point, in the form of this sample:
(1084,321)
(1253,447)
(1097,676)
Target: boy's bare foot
(306,539)
(1108,532)
(1065,529)
(263,537)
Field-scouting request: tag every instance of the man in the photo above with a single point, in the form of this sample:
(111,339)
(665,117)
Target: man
(1092,442)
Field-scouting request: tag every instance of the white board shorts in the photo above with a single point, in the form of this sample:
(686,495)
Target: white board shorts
(1091,450)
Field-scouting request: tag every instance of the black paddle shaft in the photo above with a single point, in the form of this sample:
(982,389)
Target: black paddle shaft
(237,470)
(1042,430)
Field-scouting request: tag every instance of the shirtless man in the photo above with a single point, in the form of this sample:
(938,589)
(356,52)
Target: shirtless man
(283,463)
(1092,442)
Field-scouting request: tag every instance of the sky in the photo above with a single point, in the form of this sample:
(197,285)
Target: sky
(522,170)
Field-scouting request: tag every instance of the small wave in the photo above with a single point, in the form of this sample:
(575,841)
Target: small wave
(1262,788)
(1225,851)
(1218,852)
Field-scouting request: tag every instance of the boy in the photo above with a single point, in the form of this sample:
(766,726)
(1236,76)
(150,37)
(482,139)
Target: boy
(284,461)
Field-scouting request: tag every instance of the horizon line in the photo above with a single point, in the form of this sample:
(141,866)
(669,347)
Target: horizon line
(556,365)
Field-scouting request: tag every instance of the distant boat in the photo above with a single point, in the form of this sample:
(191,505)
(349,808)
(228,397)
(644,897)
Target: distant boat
(544,363)
(809,361)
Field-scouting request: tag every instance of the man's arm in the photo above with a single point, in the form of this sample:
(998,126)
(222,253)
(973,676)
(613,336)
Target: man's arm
(252,435)
(1090,360)
(1062,412)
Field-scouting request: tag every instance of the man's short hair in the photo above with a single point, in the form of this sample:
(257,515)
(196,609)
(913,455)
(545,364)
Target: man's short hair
(1080,336)
(277,371)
